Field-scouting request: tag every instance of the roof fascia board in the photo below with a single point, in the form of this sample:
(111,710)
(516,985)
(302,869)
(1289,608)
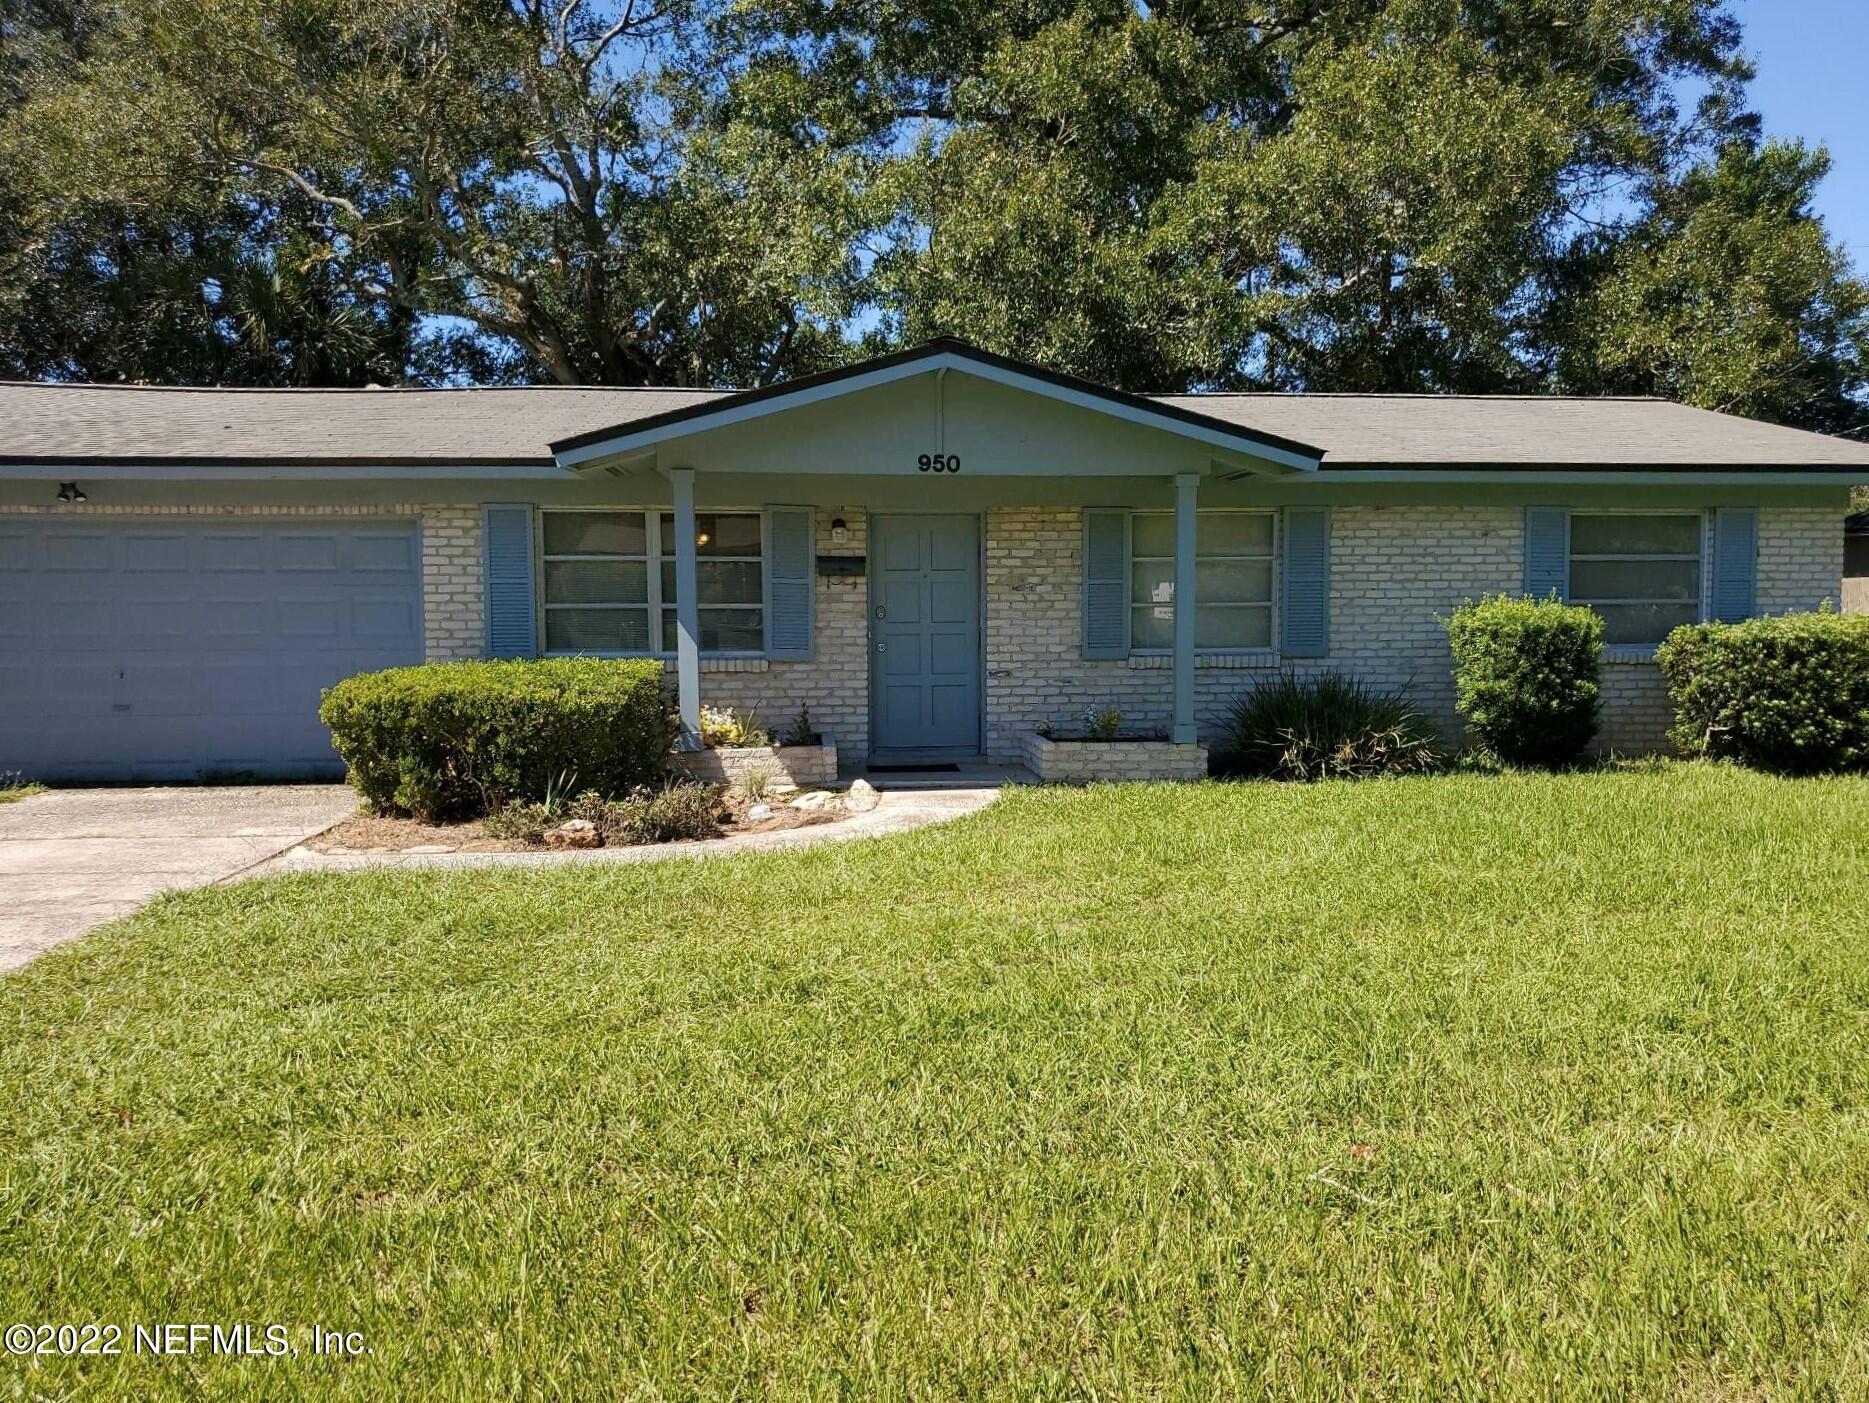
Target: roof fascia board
(1737,475)
(107,471)
(1243,441)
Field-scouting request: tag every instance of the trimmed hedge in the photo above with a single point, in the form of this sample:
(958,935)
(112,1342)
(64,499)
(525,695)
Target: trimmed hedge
(1789,693)
(448,739)
(1528,677)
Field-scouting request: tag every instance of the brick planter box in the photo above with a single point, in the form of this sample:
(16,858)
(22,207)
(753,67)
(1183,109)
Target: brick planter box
(1087,761)
(801,766)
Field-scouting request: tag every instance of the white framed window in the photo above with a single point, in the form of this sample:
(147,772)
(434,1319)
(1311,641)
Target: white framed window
(1642,571)
(1234,554)
(609,581)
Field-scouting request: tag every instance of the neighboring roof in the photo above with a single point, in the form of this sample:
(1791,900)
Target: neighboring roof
(76,424)
(945,352)
(1528,431)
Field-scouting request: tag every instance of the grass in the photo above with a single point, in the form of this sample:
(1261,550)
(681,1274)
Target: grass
(11,792)
(1461,1087)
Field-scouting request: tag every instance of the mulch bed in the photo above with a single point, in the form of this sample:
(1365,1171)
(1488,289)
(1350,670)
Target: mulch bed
(365,832)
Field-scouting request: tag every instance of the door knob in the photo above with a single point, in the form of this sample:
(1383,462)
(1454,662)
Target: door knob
(882,647)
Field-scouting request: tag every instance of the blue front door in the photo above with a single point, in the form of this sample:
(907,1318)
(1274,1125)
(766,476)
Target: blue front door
(924,635)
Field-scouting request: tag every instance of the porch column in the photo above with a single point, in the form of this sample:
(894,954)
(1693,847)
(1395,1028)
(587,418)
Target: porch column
(1185,485)
(687,613)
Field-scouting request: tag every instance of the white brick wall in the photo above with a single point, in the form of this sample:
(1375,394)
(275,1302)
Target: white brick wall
(1395,571)
(454,612)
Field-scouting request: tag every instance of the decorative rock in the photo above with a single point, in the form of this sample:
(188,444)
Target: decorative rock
(759,813)
(578,833)
(861,797)
(816,799)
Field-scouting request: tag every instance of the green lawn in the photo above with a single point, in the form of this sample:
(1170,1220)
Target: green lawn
(1058,1102)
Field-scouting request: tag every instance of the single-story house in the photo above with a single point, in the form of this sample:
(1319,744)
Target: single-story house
(932,551)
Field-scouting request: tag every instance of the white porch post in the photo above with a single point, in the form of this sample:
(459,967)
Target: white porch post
(1185,485)
(687,613)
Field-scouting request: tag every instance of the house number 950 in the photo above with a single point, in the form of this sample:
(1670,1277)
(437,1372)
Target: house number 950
(939,462)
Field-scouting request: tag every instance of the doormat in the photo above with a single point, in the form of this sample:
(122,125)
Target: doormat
(913,769)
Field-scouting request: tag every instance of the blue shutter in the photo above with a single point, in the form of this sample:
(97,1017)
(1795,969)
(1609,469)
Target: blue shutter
(788,583)
(1106,583)
(1735,563)
(512,614)
(1304,619)
(1547,552)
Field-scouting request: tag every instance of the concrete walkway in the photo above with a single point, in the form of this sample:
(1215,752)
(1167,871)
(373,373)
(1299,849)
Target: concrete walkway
(896,811)
(71,859)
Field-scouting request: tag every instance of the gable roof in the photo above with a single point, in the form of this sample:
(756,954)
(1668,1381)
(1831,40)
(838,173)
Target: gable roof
(942,353)
(59,425)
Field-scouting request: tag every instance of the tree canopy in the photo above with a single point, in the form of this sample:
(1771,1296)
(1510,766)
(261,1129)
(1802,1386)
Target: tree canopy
(1299,194)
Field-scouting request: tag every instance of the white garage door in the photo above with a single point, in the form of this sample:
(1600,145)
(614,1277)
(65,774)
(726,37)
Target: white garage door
(163,649)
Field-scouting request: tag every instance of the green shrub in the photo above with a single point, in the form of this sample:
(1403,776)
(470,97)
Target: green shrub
(1528,677)
(1323,727)
(447,739)
(1789,693)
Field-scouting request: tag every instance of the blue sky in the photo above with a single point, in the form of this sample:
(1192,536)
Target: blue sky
(1813,59)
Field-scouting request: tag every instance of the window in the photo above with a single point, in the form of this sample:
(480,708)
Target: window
(610,582)
(1640,572)
(1232,581)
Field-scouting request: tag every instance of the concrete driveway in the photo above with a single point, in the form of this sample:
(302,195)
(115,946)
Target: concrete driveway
(73,858)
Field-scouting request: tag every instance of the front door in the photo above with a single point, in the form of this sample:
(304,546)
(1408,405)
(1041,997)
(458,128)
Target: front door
(924,636)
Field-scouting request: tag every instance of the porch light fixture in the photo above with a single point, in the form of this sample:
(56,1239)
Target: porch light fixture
(71,492)
(839,532)
(701,538)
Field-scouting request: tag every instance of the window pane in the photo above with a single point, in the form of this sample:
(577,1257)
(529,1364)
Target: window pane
(1152,582)
(596,630)
(1232,533)
(1233,628)
(727,533)
(718,582)
(722,630)
(595,533)
(1634,535)
(1643,623)
(1151,535)
(1635,579)
(1152,627)
(1233,582)
(596,582)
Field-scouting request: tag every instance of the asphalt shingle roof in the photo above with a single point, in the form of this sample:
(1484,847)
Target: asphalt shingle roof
(66,424)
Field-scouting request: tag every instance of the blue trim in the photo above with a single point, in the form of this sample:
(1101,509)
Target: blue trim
(512,622)
(1304,618)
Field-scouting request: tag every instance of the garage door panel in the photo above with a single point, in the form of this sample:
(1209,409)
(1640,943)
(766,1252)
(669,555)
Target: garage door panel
(229,552)
(380,552)
(151,553)
(311,619)
(66,550)
(298,553)
(376,620)
(148,651)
